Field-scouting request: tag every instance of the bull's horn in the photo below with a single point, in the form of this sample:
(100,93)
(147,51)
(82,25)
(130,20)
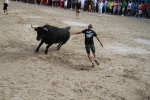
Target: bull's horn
(45,29)
(68,28)
(32,26)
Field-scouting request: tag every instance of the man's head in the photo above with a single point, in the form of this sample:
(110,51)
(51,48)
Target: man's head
(90,26)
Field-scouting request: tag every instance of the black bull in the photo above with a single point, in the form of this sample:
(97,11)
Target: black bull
(50,35)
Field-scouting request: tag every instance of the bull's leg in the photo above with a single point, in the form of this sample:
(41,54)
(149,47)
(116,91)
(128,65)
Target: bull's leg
(37,49)
(60,44)
(46,51)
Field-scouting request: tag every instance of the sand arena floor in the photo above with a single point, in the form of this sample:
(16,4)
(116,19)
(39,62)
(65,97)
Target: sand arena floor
(123,73)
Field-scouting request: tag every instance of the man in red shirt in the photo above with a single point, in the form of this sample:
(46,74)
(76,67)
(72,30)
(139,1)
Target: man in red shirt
(140,8)
(145,9)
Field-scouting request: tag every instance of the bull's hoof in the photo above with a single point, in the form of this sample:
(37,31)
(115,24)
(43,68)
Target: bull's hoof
(46,52)
(58,48)
(36,51)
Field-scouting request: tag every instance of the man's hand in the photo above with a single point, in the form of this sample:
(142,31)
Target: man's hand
(101,45)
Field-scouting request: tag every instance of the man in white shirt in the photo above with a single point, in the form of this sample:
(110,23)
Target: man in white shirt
(100,5)
(6,2)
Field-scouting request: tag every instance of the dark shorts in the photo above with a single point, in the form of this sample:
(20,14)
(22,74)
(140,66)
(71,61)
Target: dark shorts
(78,10)
(5,6)
(88,47)
(144,11)
(129,10)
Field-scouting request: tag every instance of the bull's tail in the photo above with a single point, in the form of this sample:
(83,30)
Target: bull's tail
(68,28)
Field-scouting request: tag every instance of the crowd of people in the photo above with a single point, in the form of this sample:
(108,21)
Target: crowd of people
(115,7)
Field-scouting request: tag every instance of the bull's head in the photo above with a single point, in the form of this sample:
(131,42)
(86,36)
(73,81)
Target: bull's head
(41,31)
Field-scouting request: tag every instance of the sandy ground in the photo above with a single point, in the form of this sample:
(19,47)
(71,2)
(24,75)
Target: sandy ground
(123,73)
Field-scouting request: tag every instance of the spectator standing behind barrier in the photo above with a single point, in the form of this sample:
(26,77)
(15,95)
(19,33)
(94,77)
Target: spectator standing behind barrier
(5,8)
(108,4)
(73,4)
(136,9)
(82,5)
(65,4)
(78,8)
(94,6)
(47,2)
(140,8)
(145,8)
(89,43)
(129,8)
(111,7)
(100,5)
(132,9)
(148,11)
(119,7)
(89,5)
(52,3)
(105,6)
(124,4)
(115,7)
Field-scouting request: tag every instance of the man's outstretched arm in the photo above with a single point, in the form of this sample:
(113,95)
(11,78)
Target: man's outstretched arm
(75,33)
(99,41)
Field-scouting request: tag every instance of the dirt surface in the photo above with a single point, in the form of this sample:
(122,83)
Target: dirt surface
(123,73)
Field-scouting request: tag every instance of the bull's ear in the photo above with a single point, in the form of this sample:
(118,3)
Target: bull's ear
(45,29)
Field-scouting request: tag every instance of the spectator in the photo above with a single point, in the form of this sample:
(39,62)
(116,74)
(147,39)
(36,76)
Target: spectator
(53,3)
(61,3)
(119,7)
(111,7)
(100,5)
(89,5)
(129,8)
(94,6)
(47,2)
(124,4)
(5,8)
(73,4)
(65,4)
(148,11)
(140,8)
(115,7)
(82,4)
(105,6)
(145,8)
(133,9)
(136,9)
(78,8)
(108,4)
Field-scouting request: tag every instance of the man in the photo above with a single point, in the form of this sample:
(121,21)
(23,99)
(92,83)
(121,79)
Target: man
(6,2)
(140,8)
(89,5)
(100,5)
(124,4)
(129,8)
(89,43)
(145,9)
(111,7)
(78,8)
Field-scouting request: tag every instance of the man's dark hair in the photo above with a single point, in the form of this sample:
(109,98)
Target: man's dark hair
(90,26)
